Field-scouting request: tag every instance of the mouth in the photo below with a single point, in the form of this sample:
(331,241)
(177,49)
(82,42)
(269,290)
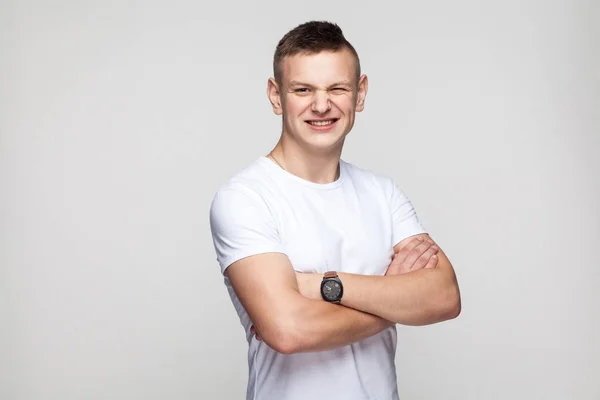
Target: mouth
(322,124)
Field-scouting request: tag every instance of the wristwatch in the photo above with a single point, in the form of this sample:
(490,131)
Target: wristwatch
(332,289)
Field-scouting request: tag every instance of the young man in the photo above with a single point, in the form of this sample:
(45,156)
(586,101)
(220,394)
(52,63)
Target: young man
(322,259)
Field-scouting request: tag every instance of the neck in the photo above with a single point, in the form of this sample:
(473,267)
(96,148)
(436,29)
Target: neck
(320,167)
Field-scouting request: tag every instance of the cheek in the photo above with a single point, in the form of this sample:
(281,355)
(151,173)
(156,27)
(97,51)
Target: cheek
(344,103)
(296,107)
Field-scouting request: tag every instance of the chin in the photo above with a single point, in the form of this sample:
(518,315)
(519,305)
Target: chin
(325,144)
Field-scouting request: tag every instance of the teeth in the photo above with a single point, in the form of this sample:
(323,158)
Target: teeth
(321,123)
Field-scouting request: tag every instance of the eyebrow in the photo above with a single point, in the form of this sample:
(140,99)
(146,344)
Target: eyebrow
(341,83)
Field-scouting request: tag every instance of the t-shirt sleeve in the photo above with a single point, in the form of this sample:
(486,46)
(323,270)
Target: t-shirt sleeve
(404,217)
(242,226)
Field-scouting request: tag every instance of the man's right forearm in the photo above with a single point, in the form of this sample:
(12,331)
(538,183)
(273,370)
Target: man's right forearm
(286,319)
(315,325)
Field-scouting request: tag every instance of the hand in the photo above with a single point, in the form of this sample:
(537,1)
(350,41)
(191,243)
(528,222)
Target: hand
(416,254)
(255,333)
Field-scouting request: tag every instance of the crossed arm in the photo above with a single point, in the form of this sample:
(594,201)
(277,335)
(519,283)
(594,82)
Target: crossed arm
(289,315)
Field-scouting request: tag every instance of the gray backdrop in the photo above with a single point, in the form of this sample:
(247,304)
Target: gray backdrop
(119,120)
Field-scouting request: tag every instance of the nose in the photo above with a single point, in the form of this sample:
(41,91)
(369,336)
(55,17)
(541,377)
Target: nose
(321,103)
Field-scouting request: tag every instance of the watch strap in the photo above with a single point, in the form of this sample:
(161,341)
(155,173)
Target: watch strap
(330,274)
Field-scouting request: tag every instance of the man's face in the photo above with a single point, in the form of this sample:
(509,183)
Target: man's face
(318,96)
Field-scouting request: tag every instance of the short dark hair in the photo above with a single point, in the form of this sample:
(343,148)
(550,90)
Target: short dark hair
(311,38)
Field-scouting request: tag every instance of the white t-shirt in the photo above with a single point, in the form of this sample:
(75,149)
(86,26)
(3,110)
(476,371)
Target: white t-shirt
(349,225)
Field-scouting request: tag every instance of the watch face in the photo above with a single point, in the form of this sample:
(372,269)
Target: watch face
(332,290)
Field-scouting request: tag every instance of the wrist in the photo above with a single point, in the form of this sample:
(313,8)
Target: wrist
(315,287)
(309,285)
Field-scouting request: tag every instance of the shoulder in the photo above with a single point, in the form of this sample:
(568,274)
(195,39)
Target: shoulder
(372,179)
(252,181)
(247,188)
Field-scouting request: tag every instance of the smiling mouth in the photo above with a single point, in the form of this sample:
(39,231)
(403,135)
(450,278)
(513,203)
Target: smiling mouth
(322,122)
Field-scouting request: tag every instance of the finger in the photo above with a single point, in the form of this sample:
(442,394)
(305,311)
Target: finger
(422,261)
(398,266)
(404,251)
(417,252)
(392,269)
(254,333)
(432,263)
(410,245)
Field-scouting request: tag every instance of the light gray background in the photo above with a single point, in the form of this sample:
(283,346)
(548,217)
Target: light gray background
(119,120)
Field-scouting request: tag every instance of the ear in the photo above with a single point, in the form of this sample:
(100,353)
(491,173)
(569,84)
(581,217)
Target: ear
(274,95)
(363,86)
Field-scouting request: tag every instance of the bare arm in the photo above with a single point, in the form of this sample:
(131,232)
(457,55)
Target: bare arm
(267,287)
(286,320)
(419,297)
(338,325)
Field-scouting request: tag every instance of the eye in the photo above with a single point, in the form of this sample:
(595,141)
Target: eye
(339,90)
(301,90)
